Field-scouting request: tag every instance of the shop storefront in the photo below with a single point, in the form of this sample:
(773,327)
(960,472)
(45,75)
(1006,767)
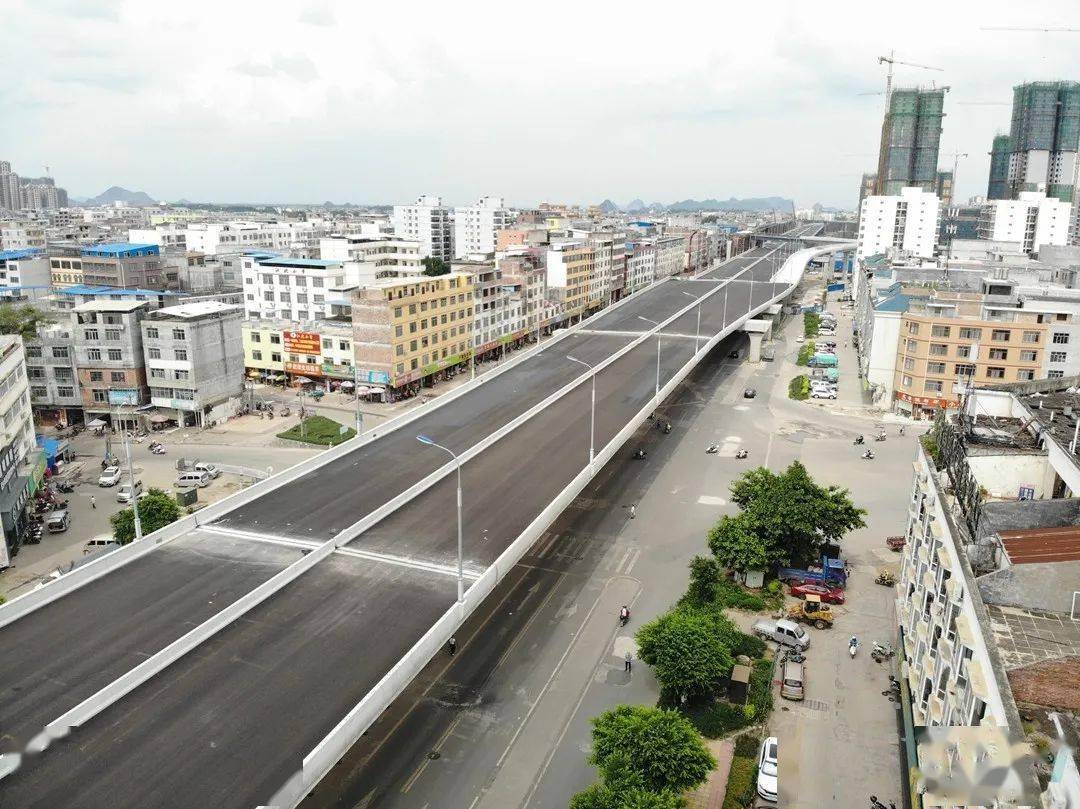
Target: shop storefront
(922,408)
(14,495)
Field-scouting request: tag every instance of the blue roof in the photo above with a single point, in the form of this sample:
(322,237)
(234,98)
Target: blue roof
(897,303)
(299,262)
(26,252)
(260,254)
(83,289)
(121,250)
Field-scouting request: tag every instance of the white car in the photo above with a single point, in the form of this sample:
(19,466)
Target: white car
(822,393)
(800,339)
(110,476)
(767,769)
(208,468)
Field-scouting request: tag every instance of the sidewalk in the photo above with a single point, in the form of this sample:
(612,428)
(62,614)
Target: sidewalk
(710,795)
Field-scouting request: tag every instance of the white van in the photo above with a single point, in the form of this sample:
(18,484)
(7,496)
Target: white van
(189,480)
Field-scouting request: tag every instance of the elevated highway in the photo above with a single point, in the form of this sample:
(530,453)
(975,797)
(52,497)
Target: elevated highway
(232,658)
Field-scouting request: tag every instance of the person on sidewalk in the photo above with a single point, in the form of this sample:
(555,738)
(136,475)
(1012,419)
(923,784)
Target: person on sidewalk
(451,646)
(93,502)
(633,511)
(628,665)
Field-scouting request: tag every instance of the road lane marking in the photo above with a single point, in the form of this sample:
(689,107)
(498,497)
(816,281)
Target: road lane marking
(413,564)
(711,500)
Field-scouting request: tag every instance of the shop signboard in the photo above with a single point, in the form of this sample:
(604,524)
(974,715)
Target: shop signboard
(303,369)
(302,342)
(373,377)
(123,397)
(926,401)
(337,371)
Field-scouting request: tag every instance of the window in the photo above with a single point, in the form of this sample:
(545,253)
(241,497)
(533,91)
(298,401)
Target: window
(963,352)
(995,373)
(397,311)
(179,334)
(1055,374)
(933,385)
(93,353)
(962,369)
(284,297)
(275,339)
(97,376)
(100,395)
(999,353)
(180,354)
(327,343)
(912,328)
(267,278)
(275,357)
(157,373)
(256,337)
(1031,337)
(115,355)
(39,391)
(256,355)
(1058,356)
(33,352)
(1061,338)
(151,333)
(60,352)
(968,333)
(912,345)
(1029,356)
(906,381)
(283,280)
(300,281)
(116,376)
(1025,374)
(91,334)
(153,353)
(65,391)
(112,334)
(181,375)
(317,282)
(1000,335)
(63,373)
(935,367)
(939,349)
(940,331)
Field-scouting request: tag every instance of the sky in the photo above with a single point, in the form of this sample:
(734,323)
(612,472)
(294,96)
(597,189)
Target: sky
(378,103)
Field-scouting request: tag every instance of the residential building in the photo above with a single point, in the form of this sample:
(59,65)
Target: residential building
(998,184)
(492,321)
(910,139)
(17,445)
(944,187)
(23,268)
(905,223)
(122,265)
(194,360)
(9,189)
(29,193)
(22,235)
(368,258)
(986,596)
(282,288)
(570,267)
(299,238)
(172,236)
(53,375)
(109,356)
(475,226)
(407,330)
(1032,219)
(281,350)
(640,265)
(524,274)
(428,222)
(1044,139)
(670,256)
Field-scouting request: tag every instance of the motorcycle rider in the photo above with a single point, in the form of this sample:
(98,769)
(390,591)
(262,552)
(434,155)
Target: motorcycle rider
(624,615)
(853,645)
(859,440)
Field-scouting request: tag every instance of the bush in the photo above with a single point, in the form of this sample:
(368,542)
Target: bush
(730,594)
(156,510)
(799,388)
(749,645)
(746,746)
(811,323)
(930,445)
(740,784)
(319,430)
(719,719)
(807,350)
(773,587)
(760,692)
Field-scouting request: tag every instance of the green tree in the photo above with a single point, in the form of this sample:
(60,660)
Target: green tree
(434,266)
(689,654)
(705,577)
(156,510)
(21,320)
(736,545)
(791,514)
(602,796)
(662,747)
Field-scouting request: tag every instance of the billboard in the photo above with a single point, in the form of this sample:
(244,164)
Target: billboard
(303,368)
(123,397)
(373,377)
(302,342)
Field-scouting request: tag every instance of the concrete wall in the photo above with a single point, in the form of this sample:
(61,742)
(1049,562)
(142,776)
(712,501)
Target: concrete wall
(1002,475)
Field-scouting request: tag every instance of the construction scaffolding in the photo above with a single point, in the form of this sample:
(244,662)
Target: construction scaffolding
(910,141)
(998,187)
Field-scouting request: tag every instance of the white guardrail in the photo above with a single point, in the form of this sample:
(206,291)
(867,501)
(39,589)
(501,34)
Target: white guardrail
(336,743)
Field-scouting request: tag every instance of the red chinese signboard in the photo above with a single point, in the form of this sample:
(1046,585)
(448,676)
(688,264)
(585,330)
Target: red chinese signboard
(302,342)
(926,401)
(303,368)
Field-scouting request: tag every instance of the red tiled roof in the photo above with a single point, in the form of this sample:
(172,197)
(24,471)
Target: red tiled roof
(1031,545)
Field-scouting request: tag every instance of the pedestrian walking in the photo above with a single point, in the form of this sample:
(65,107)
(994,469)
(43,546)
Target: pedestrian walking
(628,664)
(901,429)
(93,502)
(633,511)
(451,646)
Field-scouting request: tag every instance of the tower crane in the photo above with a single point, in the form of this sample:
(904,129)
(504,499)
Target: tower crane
(891,60)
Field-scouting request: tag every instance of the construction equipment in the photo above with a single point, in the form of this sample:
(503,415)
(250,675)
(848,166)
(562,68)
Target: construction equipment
(891,60)
(885,578)
(812,611)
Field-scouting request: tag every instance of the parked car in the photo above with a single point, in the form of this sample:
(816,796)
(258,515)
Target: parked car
(830,595)
(793,680)
(99,542)
(208,468)
(129,491)
(109,476)
(767,775)
(191,479)
(822,393)
(58,521)
(783,631)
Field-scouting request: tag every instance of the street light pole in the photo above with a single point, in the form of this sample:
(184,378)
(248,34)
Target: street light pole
(657,351)
(134,493)
(592,418)
(356,393)
(423,439)
(697,334)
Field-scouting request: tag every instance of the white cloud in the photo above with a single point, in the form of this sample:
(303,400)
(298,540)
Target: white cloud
(380,102)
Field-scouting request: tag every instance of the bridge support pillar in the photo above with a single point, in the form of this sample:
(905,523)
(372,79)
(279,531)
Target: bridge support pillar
(757,329)
(755,347)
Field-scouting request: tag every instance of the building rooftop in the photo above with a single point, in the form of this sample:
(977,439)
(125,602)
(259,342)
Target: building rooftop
(280,261)
(12,255)
(1030,545)
(84,289)
(1025,636)
(121,250)
(193,311)
(109,306)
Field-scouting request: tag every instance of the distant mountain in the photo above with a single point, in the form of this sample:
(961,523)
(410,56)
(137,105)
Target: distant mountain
(635,205)
(607,206)
(117,194)
(732,204)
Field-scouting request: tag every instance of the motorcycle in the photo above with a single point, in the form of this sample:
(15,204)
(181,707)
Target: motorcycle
(853,646)
(885,579)
(624,616)
(157,449)
(712,449)
(667,428)
(880,436)
(742,453)
(860,440)
(881,652)
(65,486)
(868,455)
(639,455)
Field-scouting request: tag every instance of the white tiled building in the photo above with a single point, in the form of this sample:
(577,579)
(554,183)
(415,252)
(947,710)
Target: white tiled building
(640,266)
(1033,220)
(426,221)
(475,226)
(290,288)
(907,224)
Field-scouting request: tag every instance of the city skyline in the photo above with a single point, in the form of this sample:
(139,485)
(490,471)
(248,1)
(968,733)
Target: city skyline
(330,103)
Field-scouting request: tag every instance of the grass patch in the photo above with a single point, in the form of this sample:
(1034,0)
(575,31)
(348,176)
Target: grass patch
(730,594)
(806,351)
(799,387)
(318,430)
(811,323)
